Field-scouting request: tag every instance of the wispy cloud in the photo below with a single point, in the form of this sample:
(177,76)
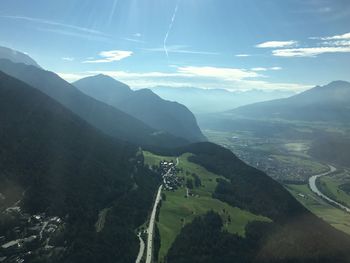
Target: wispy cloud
(336,37)
(113,9)
(57,24)
(337,43)
(68,59)
(182,49)
(329,44)
(309,52)
(134,40)
(242,55)
(275,68)
(170,28)
(188,72)
(277,44)
(218,72)
(110,56)
(77,34)
(266,69)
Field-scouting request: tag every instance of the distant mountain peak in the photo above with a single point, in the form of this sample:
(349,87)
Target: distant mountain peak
(17,57)
(144,105)
(338,84)
(103,82)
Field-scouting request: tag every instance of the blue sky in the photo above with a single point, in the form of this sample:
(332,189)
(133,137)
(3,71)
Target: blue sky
(232,44)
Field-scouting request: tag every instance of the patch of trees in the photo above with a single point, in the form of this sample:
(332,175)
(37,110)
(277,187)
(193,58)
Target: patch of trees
(205,241)
(189,183)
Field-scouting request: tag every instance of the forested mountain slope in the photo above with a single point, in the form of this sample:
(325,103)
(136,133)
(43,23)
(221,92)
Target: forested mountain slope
(110,120)
(144,105)
(66,168)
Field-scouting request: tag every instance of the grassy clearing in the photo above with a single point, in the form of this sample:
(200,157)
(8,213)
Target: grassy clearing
(152,159)
(178,210)
(334,216)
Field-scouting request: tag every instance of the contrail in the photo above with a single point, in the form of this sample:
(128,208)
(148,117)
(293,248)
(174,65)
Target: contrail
(170,27)
(112,11)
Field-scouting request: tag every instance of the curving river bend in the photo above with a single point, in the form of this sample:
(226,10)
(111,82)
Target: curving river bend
(313,187)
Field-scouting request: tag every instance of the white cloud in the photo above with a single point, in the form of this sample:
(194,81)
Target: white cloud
(191,76)
(344,36)
(220,73)
(110,56)
(259,69)
(68,59)
(277,44)
(137,35)
(337,43)
(186,72)
(242,55)
(275,68)
(266,69)
(309,52)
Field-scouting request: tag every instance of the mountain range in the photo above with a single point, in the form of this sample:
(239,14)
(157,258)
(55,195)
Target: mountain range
(144,105)
(201,101)
(110,120)
(329,103)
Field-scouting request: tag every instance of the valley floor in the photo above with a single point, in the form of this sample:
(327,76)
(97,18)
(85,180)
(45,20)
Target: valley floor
(288,161)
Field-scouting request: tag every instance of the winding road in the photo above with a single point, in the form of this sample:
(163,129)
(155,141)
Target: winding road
(150,230)
(142,249)
(313,187)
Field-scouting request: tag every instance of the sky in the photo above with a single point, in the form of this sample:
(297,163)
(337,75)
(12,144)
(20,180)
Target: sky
(230,44)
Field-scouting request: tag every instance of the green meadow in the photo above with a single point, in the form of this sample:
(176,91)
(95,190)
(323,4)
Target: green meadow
(178,210)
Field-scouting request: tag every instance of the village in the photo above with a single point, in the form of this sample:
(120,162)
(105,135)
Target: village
(171,181)
(27,235)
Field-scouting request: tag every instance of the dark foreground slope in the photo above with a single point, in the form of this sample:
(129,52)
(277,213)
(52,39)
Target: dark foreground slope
(110,120)
(144,105)
(66,168)
(295,235)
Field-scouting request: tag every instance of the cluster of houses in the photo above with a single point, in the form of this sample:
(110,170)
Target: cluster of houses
(28,235)
(272,166)
(171,181)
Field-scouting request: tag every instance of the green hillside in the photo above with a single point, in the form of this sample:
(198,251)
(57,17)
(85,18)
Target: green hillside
(178,209)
